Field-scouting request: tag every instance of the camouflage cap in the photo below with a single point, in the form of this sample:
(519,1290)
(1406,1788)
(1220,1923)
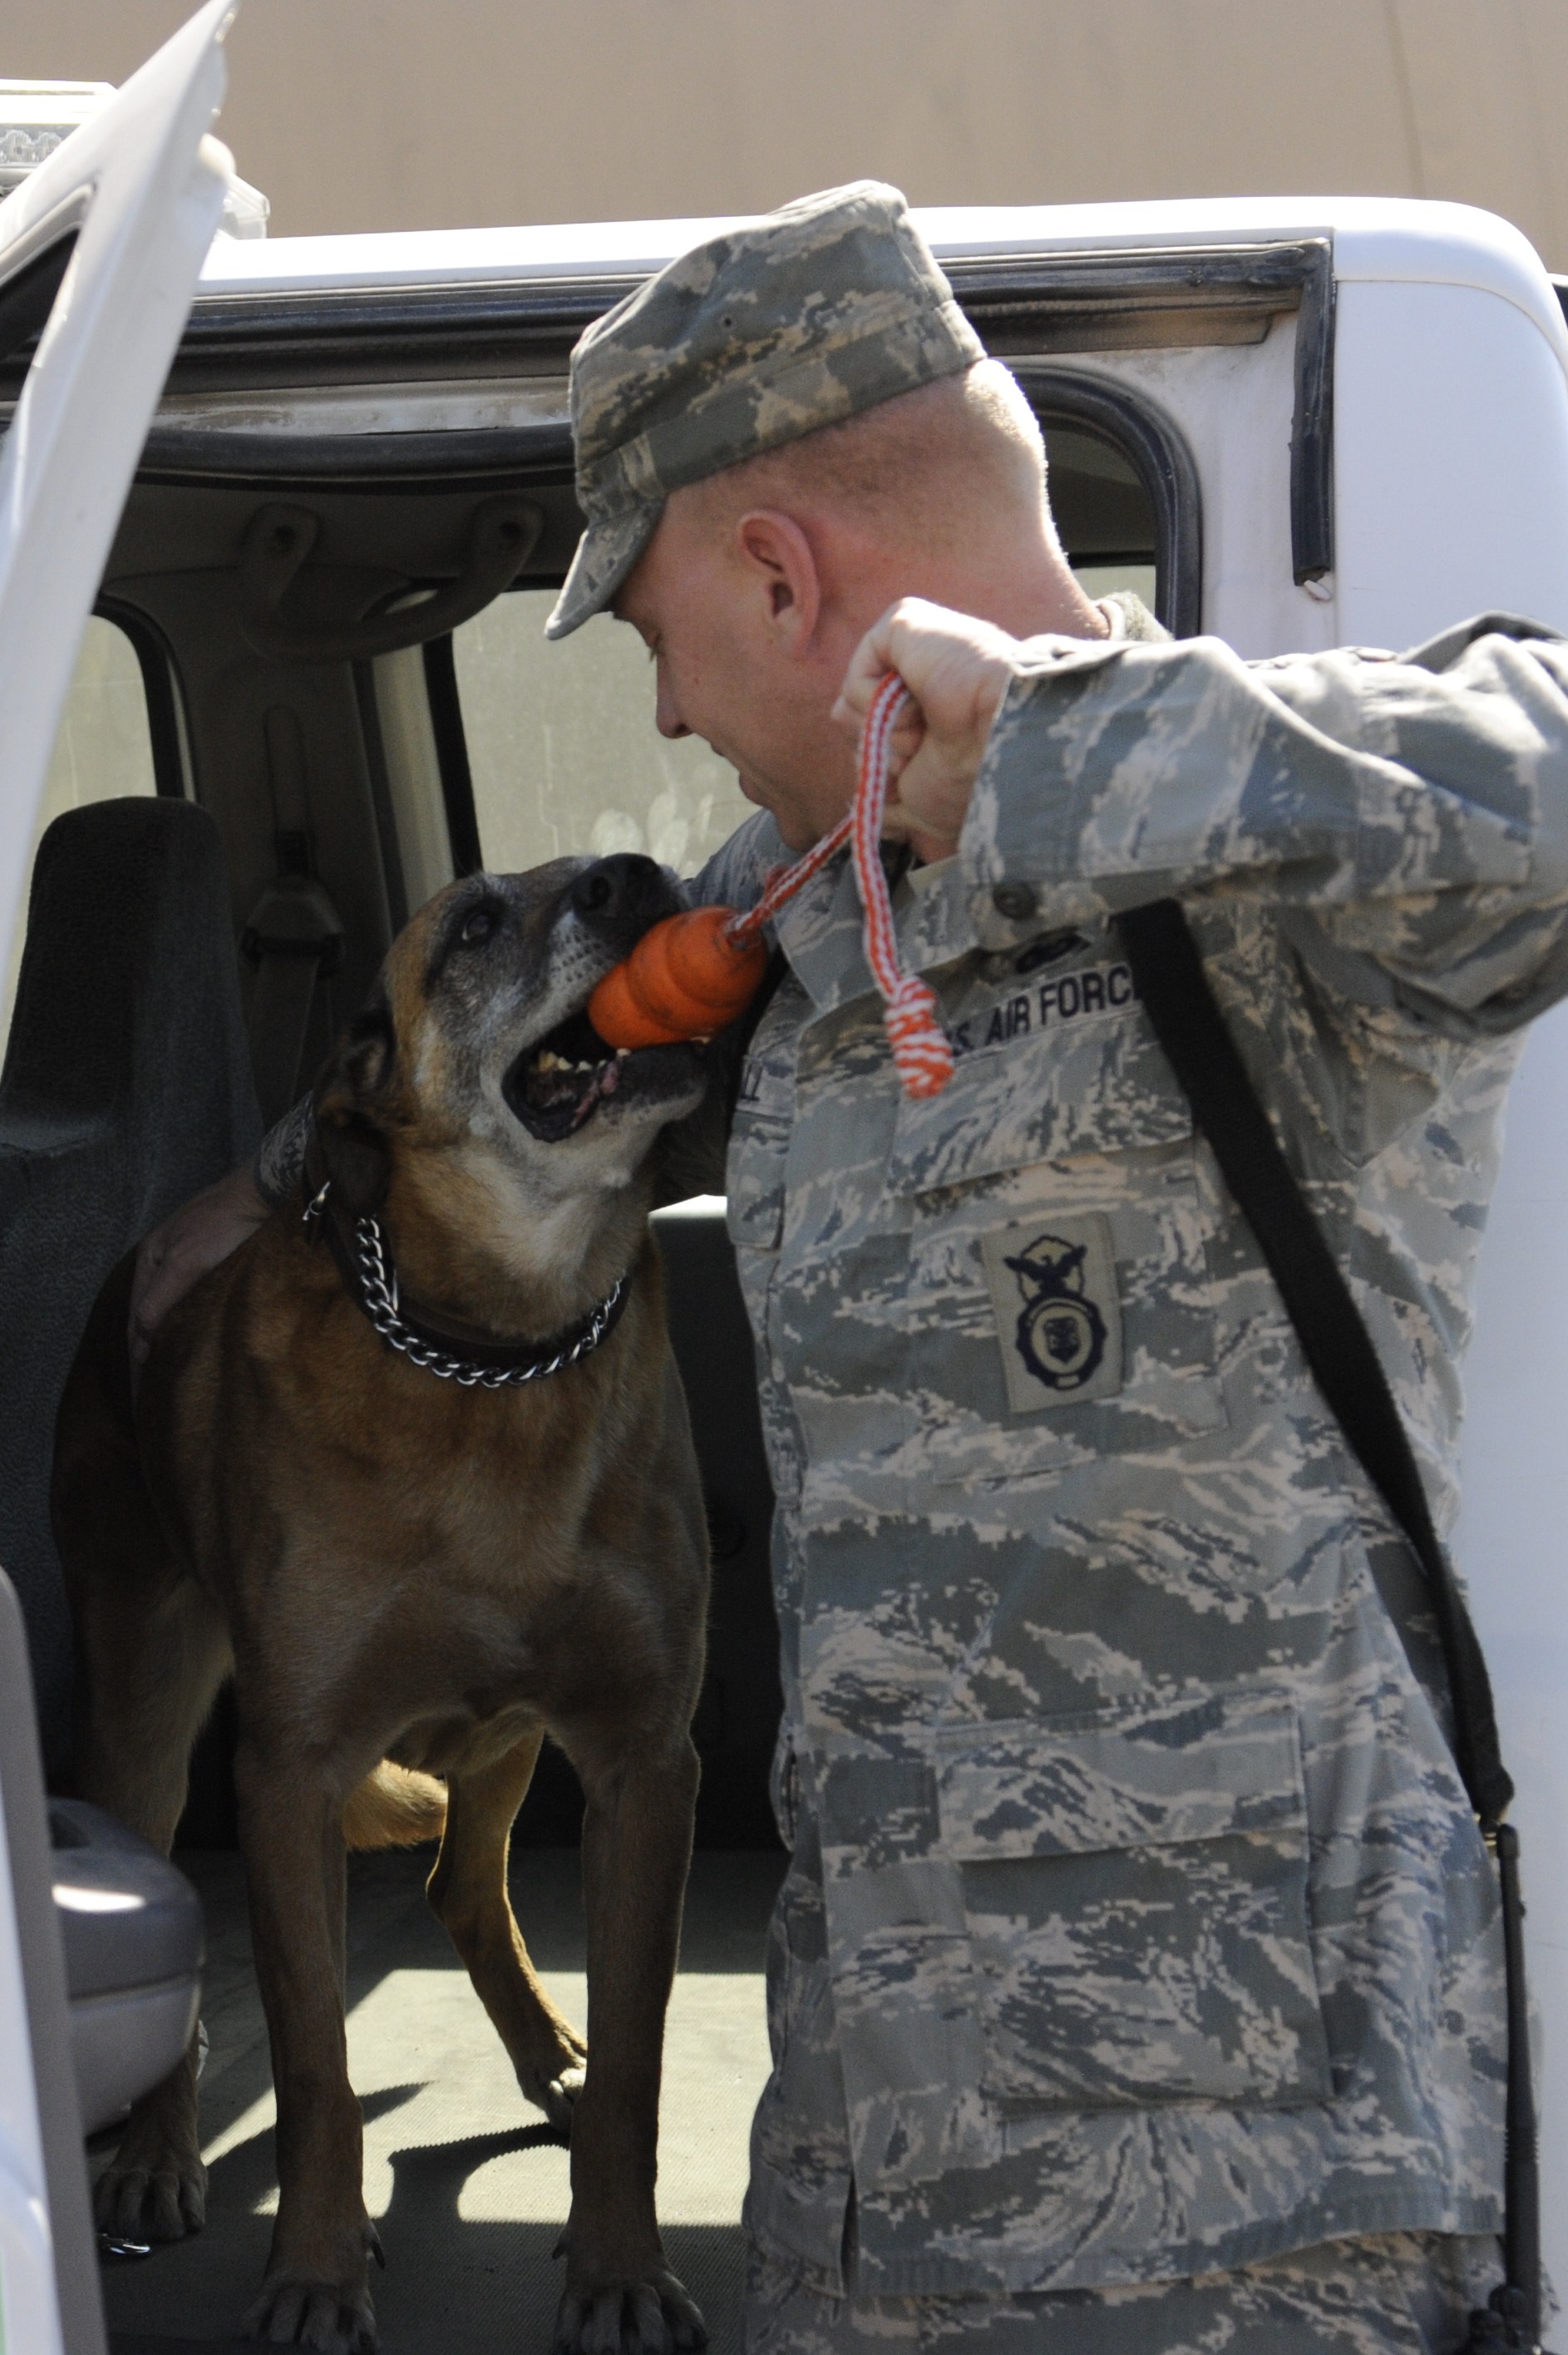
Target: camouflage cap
(797,320)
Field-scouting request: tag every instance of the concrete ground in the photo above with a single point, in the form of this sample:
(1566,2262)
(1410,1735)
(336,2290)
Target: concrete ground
(466,2182)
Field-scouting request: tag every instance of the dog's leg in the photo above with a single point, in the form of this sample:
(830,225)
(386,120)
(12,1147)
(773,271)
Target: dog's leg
(149,1665)
(150,1652)
(637,1850)
(316,2289)
(467,1891)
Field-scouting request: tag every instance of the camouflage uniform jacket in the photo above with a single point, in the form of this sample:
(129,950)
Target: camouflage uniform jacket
(1138,1923)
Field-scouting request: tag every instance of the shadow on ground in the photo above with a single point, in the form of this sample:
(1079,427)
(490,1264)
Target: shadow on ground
(469,2186)
(453,2285)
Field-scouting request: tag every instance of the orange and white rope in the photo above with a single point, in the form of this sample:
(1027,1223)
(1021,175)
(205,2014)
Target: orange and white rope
(785,881)
(921,1053)
(920,1047)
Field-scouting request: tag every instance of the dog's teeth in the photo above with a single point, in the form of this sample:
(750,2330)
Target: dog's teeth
(621,1053)
(546,1060)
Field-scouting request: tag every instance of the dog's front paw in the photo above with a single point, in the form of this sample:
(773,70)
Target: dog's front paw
(151,2193)
(653,2317)
(335,2317)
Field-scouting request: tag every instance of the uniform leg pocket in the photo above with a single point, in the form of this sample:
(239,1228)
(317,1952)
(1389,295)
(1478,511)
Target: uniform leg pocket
(1135,1891)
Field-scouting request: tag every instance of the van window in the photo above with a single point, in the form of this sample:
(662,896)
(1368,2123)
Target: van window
(1103,512)
(104,748)
(563,751)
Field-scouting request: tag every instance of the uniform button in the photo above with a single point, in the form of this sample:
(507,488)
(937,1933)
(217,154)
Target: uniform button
(1016,901)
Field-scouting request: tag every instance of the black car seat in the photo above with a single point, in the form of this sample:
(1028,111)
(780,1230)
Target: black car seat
(126,1088)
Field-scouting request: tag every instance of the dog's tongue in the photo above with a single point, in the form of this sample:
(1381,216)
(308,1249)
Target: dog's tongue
(604,1082)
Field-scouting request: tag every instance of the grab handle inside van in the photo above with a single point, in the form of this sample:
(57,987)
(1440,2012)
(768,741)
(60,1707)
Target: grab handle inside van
(501,535)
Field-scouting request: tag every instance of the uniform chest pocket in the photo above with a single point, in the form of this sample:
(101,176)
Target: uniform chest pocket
(1135,1891)
(1060,1304)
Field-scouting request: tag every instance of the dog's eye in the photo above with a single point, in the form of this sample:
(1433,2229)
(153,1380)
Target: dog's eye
(478,926)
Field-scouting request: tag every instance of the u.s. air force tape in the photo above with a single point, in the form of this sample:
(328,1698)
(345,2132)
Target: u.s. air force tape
(1044,1005)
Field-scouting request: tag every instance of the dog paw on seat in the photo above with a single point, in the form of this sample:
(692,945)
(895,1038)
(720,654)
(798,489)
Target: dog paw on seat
(154,2187)
(162,2202)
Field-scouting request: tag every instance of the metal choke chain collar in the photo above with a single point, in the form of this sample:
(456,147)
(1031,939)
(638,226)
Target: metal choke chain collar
(499,1366)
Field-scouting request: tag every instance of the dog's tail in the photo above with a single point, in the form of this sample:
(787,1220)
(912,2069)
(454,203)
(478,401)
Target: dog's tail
(394,1808)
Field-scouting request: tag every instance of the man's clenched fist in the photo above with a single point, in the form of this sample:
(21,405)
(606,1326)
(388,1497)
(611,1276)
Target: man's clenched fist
(957,670)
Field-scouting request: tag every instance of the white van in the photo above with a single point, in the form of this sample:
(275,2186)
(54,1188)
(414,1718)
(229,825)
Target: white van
(247,654)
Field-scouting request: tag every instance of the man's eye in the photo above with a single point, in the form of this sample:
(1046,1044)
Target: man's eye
(478,926)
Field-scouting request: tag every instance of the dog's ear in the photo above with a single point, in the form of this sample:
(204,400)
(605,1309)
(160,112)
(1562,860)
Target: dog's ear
(350,1096)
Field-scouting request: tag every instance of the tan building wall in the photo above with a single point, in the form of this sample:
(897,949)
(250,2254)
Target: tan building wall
(358,114)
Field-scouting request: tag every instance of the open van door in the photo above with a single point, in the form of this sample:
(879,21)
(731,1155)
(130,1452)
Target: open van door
(99,249)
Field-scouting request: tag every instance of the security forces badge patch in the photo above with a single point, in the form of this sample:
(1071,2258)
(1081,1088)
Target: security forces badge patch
(1059,1316)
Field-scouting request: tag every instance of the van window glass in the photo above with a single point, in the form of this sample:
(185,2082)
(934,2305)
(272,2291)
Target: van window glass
(564,752)
(104,747)
(1104,514)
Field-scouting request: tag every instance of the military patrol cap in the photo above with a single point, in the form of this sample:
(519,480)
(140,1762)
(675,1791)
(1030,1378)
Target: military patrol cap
(797,320)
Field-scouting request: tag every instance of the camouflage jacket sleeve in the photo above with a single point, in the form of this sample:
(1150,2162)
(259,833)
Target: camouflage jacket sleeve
(1406,818)
(691,1151)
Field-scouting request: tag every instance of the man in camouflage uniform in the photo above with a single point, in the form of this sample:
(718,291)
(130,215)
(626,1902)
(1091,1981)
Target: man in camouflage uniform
(1137,1978)
(1136,1983)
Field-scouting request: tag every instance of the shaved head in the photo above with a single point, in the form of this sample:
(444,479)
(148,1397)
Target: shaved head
(910,472)
(762,578)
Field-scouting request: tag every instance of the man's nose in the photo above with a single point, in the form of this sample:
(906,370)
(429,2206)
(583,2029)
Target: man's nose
(666,711)
(618,897)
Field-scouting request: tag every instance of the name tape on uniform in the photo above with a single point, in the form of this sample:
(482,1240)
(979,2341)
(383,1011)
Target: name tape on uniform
(1045,1006)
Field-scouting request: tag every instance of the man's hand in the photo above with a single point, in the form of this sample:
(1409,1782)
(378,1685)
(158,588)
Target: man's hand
(957,670)
(193,1239)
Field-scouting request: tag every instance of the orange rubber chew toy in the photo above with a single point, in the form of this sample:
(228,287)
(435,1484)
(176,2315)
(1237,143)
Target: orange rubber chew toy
(686,978)
(690,976)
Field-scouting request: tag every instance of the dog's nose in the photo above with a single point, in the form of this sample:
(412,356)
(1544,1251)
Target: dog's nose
(624,890)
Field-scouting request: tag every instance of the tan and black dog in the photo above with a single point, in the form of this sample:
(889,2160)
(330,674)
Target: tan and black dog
(398,1563)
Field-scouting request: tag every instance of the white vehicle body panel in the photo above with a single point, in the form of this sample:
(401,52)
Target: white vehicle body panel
(1510,1544)
(29,2307)
(1450,463)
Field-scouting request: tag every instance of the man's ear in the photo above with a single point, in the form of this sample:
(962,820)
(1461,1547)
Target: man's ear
(349,1096)
(782,564)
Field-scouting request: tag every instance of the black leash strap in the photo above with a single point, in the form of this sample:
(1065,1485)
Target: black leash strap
(1168,976)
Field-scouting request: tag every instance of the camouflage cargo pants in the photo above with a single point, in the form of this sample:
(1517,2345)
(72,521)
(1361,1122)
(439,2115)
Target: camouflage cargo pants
(1387,2294)
(1395,2294)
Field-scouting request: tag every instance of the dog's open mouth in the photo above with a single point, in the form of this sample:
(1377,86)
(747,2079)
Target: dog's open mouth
(561,1081)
